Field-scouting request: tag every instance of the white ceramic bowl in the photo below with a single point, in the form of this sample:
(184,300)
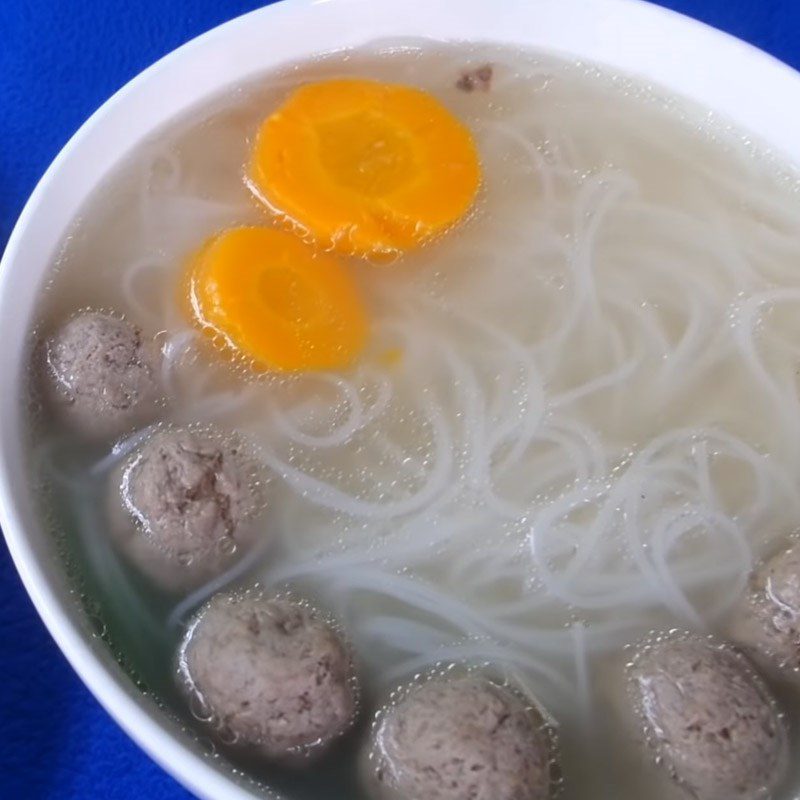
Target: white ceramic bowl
(738,81)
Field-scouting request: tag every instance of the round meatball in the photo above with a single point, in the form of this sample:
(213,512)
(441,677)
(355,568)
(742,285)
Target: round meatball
(271,674)
(767,620)
(457,738)
(182,505)
(710,719)
(101,373)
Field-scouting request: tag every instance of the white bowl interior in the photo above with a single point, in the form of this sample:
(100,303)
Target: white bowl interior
(737,81)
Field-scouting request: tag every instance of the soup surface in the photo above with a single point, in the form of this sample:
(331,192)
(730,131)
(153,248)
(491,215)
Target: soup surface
(575,420)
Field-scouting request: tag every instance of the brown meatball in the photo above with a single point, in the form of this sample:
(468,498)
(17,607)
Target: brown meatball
(101,373)
(272,674)
(767,620)
(182,505)
(710,719)
(462,738)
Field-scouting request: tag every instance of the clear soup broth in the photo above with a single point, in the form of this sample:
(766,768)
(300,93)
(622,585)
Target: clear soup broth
(575,422)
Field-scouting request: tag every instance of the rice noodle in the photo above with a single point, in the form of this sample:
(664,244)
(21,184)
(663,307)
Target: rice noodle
(479,436)
(577,418)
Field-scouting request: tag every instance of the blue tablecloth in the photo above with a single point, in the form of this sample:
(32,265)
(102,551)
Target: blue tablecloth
(59,60)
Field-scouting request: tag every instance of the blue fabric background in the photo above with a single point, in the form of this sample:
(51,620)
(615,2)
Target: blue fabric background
(59,60)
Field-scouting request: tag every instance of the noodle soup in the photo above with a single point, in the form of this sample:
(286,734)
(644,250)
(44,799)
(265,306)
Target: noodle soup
(573,423)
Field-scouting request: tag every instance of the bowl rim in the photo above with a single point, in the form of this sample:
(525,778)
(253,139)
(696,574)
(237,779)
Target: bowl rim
(632,35)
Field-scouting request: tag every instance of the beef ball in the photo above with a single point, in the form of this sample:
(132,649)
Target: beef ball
(272,674)
(182,506)
(711,721)
(462,737)
(767,619)
(101,373)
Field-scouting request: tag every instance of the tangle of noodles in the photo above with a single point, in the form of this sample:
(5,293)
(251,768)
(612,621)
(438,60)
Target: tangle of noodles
(577,419)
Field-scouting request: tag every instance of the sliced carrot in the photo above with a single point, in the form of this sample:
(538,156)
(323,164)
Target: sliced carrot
(367,168)
(268,297)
